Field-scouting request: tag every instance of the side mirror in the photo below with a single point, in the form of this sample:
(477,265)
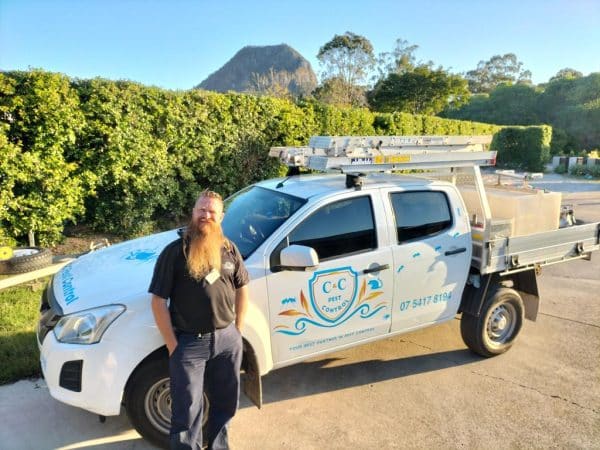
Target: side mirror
(298,257)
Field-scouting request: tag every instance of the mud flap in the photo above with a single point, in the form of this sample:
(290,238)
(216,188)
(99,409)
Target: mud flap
(251,380)
(526,284)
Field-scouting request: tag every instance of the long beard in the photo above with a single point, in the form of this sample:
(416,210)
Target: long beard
(204,244)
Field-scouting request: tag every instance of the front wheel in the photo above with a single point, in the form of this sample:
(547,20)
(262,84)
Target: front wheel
(148,401)
(498,325)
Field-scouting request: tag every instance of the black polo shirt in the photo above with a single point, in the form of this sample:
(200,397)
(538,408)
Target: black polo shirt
(198,306)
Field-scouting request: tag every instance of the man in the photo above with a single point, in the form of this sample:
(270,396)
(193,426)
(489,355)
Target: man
(204,277)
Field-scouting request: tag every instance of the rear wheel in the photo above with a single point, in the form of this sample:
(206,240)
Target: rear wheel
(498,325)
(148,401)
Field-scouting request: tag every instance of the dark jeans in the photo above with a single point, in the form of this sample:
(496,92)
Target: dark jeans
(209,363)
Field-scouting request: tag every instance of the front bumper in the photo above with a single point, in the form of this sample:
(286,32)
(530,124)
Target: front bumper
(94,376)
(86,376)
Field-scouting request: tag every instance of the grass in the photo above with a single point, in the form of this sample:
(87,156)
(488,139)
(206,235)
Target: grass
(19,313)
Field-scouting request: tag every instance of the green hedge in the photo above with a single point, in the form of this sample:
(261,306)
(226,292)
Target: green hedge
(404,124)
(523,148)
(40,185)
(127,158)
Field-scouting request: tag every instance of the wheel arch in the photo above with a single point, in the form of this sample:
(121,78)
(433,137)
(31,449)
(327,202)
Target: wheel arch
(251,378)
(158,354)
(525,283)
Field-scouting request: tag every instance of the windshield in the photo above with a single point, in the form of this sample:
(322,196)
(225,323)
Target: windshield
(253,214)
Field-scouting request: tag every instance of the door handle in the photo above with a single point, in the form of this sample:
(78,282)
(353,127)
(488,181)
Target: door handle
(455,251)
(377,268)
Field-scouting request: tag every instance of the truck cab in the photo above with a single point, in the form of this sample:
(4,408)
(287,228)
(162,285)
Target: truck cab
(337,273)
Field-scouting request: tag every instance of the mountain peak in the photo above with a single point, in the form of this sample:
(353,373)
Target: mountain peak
(260,68)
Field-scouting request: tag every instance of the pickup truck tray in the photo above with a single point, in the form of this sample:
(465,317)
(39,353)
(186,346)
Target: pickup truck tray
(519,253)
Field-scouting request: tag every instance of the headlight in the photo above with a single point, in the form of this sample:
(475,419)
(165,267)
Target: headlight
(86,327)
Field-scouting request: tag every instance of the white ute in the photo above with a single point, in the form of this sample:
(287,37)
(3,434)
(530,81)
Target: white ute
(335,260)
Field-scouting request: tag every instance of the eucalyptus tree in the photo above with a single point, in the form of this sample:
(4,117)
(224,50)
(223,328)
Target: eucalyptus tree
(347,61)
(496,71)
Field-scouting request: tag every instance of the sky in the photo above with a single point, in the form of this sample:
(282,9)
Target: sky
(176,44)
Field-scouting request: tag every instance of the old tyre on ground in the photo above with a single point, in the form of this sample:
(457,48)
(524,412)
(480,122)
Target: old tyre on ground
(498,325)
(148,401)
(26,259)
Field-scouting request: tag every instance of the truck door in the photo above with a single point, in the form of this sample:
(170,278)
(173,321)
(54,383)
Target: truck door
(348,297)
(432,256)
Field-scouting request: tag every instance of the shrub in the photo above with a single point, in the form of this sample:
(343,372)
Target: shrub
(40,121)
(594,171)
(582,171)
(524,148)
(124,144)
(578,170)
(560,169)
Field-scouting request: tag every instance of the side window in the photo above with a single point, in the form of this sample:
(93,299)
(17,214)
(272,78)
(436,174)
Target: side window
(337,229)
(420,214)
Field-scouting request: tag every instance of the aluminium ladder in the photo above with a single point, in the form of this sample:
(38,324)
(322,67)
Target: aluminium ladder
(387,153)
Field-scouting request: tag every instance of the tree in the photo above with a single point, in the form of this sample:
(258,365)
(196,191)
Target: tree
(347,60)
(273,83)
(573,104)
(514,105)
(498,70)
(505,105)
(280,84)
(335,91)
(566,73)
(400,60)
(570,105)
(420,91)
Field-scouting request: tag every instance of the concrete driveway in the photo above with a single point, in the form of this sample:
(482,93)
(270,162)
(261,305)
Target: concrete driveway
(419,390)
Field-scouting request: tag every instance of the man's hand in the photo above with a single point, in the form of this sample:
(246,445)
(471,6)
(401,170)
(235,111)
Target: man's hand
(163,322)
(171,348)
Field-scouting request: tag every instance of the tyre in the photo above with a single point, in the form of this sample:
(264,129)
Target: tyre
(26,259)
(498,325)
(148,401)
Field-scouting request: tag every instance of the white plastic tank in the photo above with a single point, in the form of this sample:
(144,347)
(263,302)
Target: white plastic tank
(527,210)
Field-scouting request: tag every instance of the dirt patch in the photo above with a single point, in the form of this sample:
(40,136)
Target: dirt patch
(81,239)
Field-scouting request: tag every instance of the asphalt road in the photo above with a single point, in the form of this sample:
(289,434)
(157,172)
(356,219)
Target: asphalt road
(418,390)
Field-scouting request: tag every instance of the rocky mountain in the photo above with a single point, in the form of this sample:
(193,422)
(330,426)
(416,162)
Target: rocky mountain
(268,69)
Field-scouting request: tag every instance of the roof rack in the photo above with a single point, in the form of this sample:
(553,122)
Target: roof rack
(385,153)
